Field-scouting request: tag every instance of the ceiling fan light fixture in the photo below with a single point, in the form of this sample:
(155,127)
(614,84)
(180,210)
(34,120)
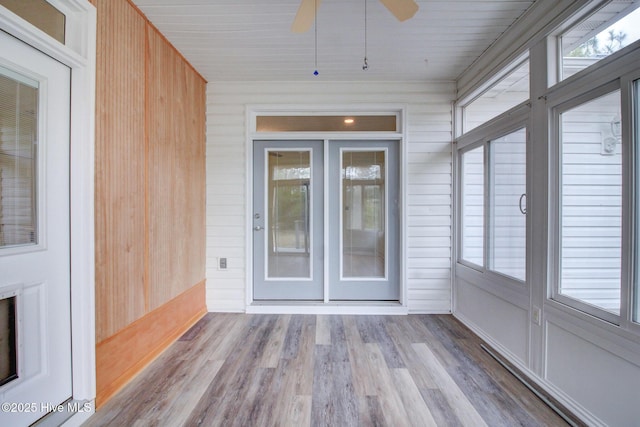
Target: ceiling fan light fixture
(401,9)
(308,9)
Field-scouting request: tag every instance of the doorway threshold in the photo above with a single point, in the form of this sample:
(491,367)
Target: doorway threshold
(333,307)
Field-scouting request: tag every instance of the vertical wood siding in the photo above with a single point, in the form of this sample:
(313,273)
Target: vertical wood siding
(176,173)
(149,196)
(120,167)
(428,215)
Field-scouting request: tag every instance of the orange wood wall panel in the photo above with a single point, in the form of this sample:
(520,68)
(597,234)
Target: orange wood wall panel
(120,166)
(150,194)
(176,172)
(143,340)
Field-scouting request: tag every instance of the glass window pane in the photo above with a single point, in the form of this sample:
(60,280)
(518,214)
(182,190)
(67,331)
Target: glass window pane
(18,139)
(591,203)
(473,206)
(289,241)
(603,33)
(377,123)
(506,93)
(363,209)
(507,223)
(40,14)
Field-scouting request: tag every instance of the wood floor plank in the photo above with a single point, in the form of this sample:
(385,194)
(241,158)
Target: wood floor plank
(411,359)
(334,400)
(363,380)
(323,332)
(277,336)
(388,397)
(293,337)
(458,401)
(176,406)
(372,329)
(370,411)
(442,412)
(298,413)
(306,370)
(417,410)
(304,361)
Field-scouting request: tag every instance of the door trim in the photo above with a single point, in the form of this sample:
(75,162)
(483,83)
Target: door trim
(326,307)
(79,54)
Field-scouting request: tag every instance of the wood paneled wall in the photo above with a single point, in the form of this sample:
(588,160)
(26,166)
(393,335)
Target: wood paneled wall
(150,193)
(120,168)
(176,172)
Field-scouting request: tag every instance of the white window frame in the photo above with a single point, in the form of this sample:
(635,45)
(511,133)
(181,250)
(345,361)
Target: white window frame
(573,22)
(513,120)
(497,78)
(618,71)
(556,219)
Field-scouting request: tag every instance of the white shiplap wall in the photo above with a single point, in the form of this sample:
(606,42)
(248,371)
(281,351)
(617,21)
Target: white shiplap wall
(429,179)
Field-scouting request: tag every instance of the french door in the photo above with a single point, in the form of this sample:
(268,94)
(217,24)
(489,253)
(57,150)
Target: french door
(326,220)
(35,301)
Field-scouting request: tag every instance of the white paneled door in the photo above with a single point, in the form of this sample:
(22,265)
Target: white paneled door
(326,220)
(35,316)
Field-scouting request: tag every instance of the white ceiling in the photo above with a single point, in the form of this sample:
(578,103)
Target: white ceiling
(238,40)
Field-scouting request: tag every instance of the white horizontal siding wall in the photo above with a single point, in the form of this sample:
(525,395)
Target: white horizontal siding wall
(428,215)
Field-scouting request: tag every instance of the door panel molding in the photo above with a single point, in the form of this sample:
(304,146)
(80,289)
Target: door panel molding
(326,280)
(277,244)
(44,352)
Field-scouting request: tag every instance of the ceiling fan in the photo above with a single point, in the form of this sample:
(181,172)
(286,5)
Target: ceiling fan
(401,9)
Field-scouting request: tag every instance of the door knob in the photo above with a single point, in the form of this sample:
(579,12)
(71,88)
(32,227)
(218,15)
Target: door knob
(257,228)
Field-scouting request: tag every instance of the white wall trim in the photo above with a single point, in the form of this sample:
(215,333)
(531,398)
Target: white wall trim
(79,54)
(326,307)
(373,308)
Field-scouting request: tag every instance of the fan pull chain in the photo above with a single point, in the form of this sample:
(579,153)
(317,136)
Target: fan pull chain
(365,64)
(315,5)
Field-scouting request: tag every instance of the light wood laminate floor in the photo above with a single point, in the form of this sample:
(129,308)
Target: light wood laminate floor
(301,370)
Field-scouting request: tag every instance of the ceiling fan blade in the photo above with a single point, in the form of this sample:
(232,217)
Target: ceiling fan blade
(305,16)
(401,9)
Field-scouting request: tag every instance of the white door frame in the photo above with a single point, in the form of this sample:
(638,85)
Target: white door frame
(79,54)
(326,307)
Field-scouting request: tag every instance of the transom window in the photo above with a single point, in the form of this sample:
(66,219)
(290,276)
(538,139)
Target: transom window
(603,33)
(509,89)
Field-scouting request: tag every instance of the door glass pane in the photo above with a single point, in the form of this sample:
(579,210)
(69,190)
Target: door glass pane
(363,210)
(18,150)
(507,222)
(591,203)
(472,185)
(289,214)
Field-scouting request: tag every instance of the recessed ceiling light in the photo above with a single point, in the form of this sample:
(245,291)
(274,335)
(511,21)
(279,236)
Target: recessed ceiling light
(348,121)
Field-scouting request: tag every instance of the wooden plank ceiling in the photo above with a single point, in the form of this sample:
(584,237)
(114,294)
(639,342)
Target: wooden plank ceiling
(238,40)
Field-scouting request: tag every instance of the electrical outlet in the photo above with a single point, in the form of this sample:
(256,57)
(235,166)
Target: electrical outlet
(222,263)
(536,316)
